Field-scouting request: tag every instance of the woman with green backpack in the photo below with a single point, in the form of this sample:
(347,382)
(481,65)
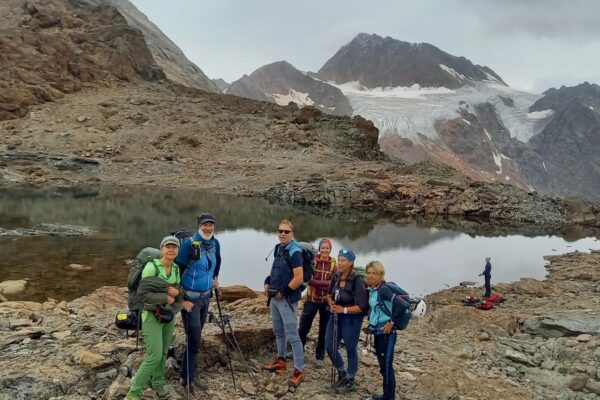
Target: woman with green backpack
(159,292)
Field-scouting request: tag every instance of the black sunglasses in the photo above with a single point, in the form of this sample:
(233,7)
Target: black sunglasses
(284,231)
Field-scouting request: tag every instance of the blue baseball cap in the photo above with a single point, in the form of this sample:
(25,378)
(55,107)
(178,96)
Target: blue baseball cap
(349,254)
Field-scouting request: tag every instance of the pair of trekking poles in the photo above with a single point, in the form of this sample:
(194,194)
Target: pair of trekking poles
(231,340)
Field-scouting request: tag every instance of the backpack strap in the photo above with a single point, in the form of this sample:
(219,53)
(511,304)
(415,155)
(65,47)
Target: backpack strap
(156,271)
(381,303)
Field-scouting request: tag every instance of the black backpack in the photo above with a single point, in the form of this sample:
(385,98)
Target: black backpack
(308,261)
(181,234)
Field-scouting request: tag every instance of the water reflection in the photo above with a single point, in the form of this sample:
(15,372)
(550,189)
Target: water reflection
(417,255)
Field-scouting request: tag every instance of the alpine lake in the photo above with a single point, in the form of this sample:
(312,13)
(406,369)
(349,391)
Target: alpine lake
(421,255)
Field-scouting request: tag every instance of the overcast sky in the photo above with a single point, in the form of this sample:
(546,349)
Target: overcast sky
(531,44)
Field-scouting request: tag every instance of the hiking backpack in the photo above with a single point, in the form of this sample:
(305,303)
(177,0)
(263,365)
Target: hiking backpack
(496,298)
(309,252)
(181,234)
(486,305)
(401,321)
(135,275)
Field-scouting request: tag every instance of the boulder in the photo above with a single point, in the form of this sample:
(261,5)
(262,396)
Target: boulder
(85,357)
(236,292)
(563,325)
(578,383)
(12,287)
(118,389)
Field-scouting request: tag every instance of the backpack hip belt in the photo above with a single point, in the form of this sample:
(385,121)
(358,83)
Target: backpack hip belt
(190,294)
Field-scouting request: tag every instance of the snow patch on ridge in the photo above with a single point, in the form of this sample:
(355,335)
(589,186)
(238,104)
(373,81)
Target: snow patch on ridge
(452,72)
(498,161)
(487,134)
(293,95)
(540,114)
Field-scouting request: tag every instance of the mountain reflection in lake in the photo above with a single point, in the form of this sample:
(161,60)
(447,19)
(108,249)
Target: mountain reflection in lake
(420,258)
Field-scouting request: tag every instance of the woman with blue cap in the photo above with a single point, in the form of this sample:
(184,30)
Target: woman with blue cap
(348,302)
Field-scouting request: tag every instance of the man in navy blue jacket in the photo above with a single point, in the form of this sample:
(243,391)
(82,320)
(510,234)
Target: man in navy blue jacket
(487,274)
(199,260)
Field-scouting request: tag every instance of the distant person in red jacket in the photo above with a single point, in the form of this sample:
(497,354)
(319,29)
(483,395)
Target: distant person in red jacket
(316,299)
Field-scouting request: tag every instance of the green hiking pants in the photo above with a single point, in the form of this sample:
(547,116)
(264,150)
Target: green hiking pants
(157,338)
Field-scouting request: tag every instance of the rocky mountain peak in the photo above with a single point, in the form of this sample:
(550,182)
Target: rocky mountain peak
(375,61)
(177,67)
(555,99)
(280,82)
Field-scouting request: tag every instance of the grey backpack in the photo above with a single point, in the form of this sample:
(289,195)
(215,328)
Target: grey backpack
(135,274)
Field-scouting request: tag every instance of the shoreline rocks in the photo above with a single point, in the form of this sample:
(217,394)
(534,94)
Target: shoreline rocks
(73,350)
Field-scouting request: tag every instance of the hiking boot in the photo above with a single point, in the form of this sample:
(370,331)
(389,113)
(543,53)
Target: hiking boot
(197,384)
(347,386)
(165,392)
(278,366)
(319,364)
(341,379)
(296,378)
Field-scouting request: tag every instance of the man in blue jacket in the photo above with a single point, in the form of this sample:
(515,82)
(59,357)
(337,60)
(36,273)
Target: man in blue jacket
(487,274)
(284,288)
(199,260)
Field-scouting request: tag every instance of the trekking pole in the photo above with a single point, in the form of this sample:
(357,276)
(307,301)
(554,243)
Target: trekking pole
(236,345)
(187,357)
(335,334)
(137,329)
(222,325)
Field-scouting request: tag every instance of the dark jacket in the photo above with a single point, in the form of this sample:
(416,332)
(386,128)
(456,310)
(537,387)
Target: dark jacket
(353,293)
(152,292)
(487,272)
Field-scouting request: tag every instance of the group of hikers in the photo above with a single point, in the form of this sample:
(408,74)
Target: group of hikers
(186,273)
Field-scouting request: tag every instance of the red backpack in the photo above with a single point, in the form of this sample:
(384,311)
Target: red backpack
(486,305)
(496,298)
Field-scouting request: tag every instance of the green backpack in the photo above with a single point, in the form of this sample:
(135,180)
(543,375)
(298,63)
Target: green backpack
(135,275)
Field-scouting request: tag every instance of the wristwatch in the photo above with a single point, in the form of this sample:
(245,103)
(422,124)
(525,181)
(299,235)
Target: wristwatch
(345,310)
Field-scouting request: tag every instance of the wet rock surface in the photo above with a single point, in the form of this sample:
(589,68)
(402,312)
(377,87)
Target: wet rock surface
(73,350)
(49,229)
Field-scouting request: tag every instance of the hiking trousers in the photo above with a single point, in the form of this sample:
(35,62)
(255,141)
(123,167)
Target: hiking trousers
(348,328)
(309,312)
(384,347)
(285,327)
(157,339)
(193,322)
(488,286)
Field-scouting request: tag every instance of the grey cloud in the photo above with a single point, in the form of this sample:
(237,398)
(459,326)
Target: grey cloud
(540,18)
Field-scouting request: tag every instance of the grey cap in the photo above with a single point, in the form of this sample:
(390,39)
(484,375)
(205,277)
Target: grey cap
(169,240)
(488,258)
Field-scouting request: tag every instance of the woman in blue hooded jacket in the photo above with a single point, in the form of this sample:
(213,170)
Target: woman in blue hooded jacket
(385,308)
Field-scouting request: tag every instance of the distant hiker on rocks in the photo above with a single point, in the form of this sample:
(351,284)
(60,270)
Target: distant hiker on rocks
(161,295)
(487,273)
(283,288)
(200,261)
(381,324)
(316,299)
(348,302)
